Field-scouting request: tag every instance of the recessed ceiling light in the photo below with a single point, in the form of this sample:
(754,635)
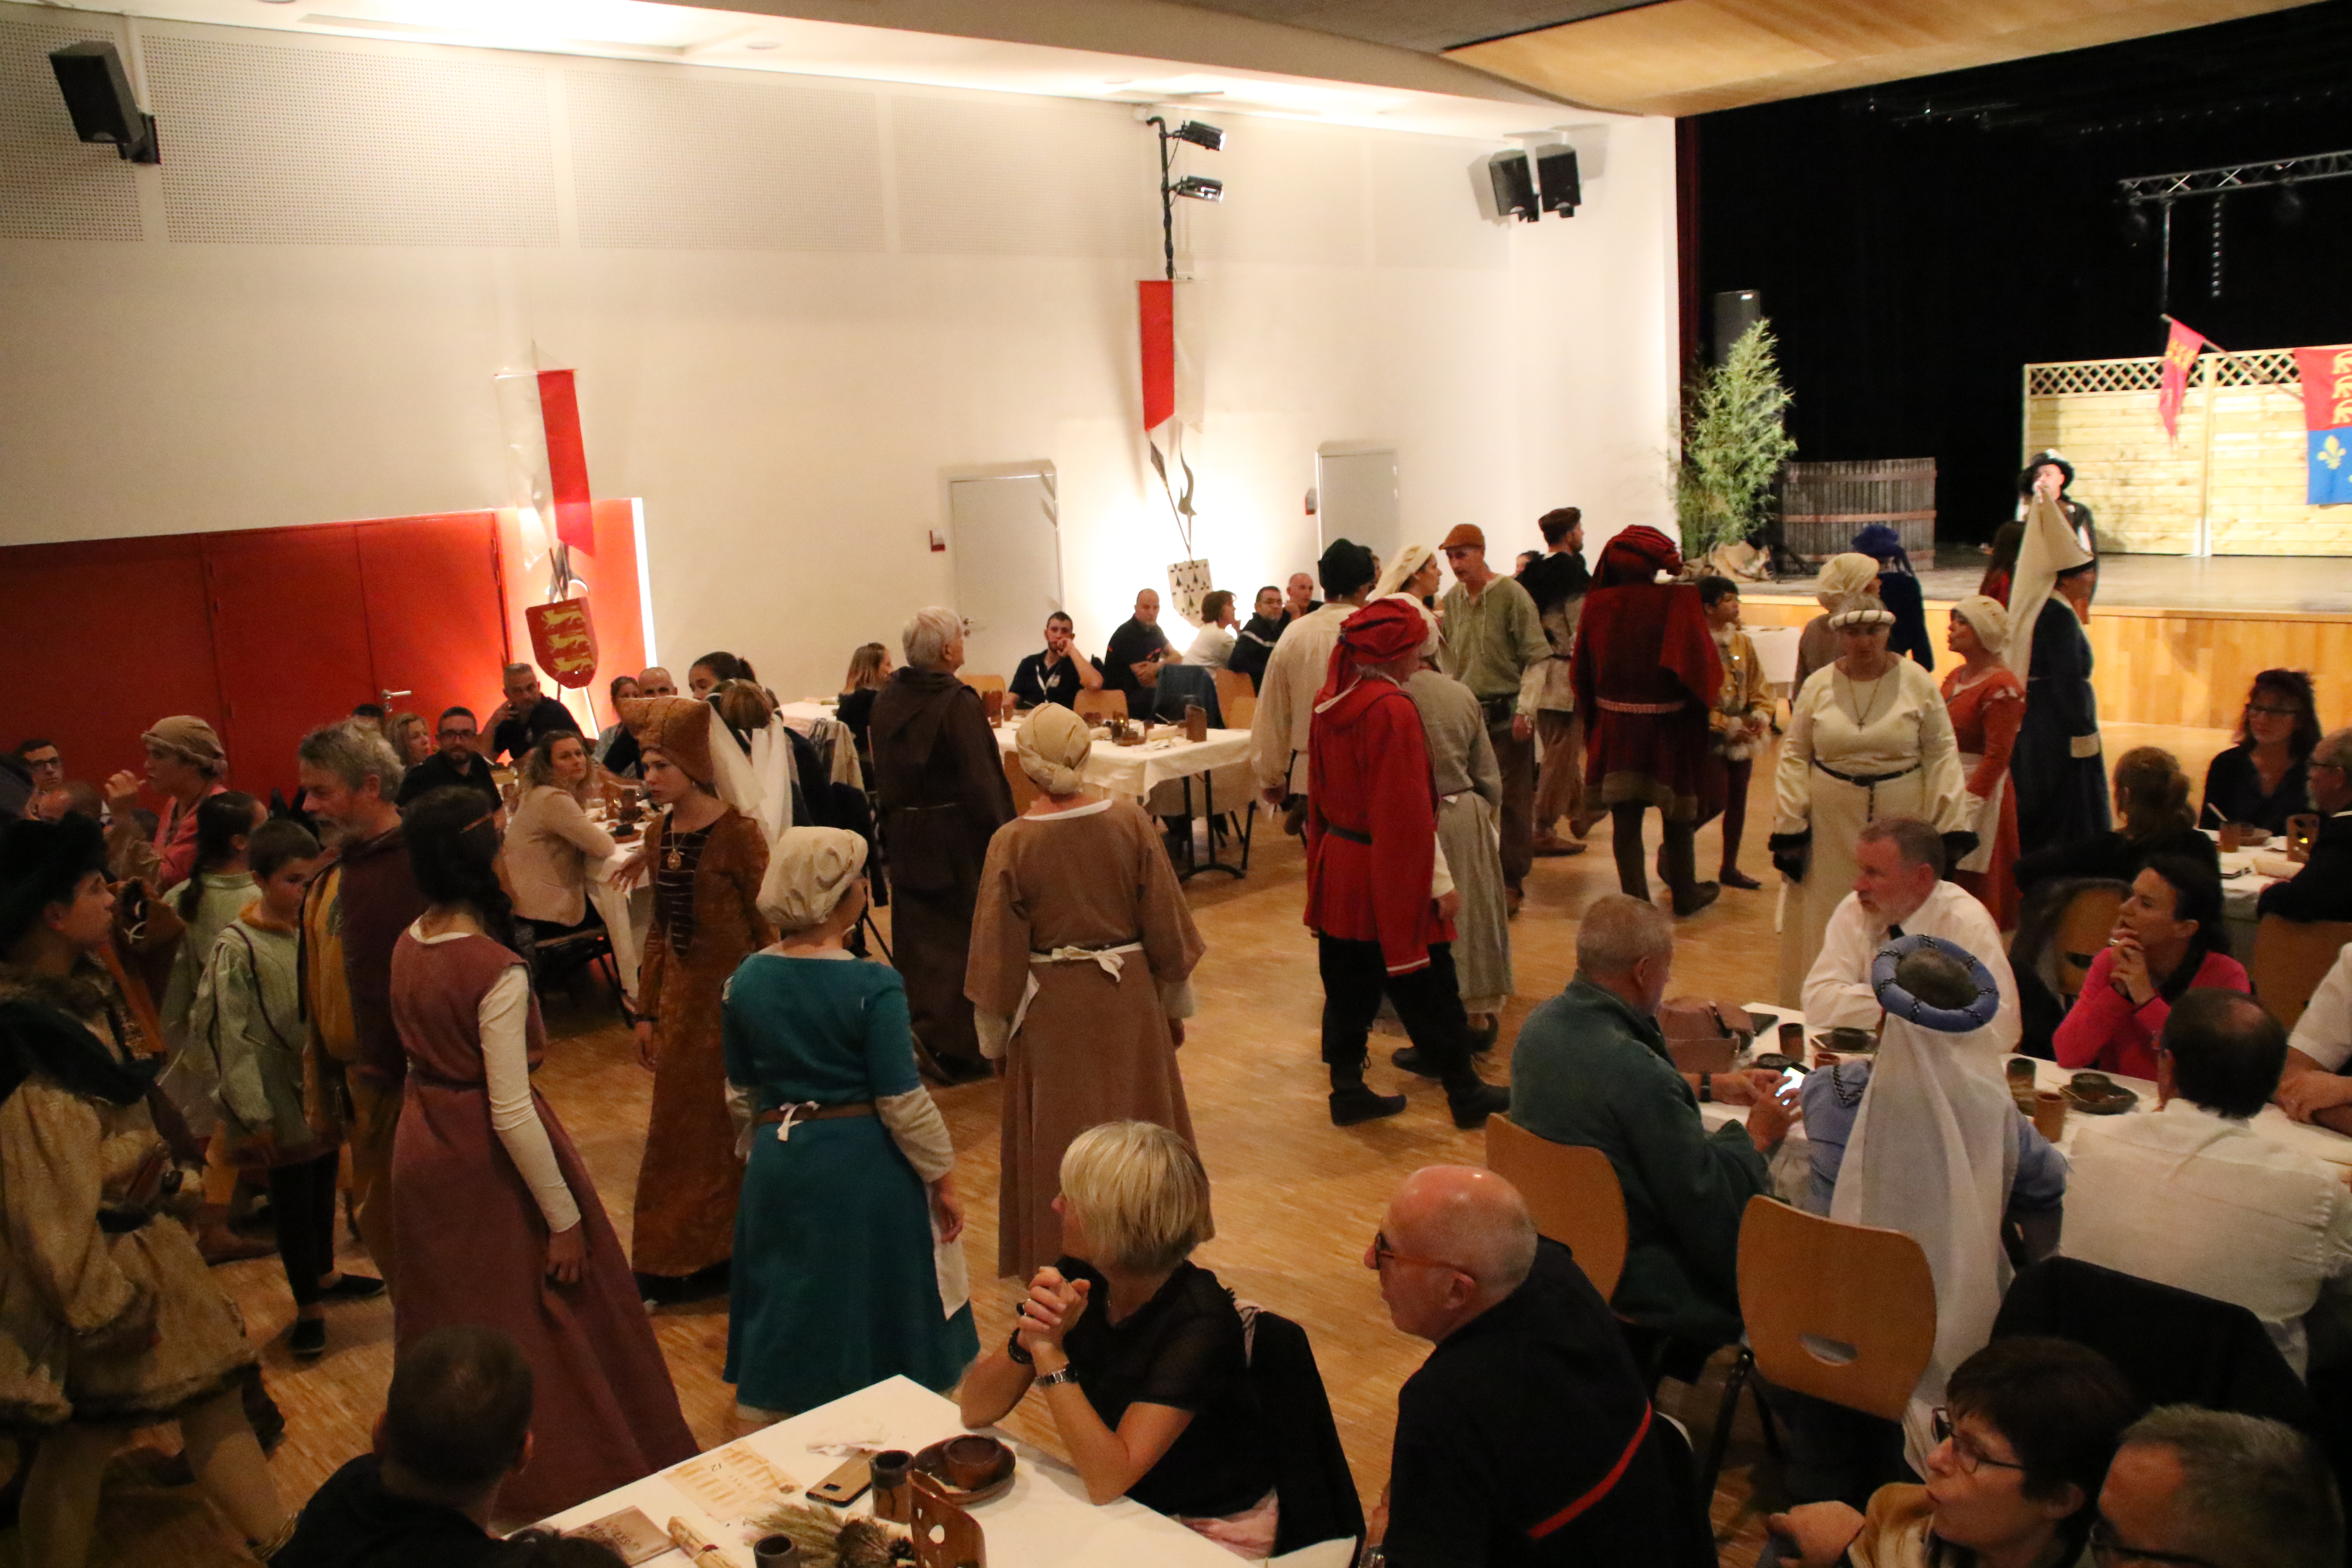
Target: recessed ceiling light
(765,44)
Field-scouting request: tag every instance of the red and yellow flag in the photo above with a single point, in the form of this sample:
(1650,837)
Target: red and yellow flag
(2180,352)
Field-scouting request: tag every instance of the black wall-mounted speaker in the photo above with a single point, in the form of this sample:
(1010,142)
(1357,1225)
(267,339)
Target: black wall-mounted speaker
(1514,187)
(1736,311)
(98,96)
(1563,191)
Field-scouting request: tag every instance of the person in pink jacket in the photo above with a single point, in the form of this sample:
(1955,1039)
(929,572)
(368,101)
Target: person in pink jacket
(2168,940)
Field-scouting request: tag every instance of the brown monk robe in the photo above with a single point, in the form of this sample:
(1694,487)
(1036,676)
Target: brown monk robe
(941,781)
(706,921)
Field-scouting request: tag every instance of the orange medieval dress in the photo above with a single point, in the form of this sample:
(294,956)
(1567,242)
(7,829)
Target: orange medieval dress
(1985,716)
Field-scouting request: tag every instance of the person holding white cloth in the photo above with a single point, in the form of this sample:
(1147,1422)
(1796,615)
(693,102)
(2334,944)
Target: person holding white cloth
(1868,737)
(1082,951)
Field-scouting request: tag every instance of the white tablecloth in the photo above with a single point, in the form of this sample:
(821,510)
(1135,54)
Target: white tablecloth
(1044,1520)
(2244,874)
(802,716)
(1136,770)
(628,913)
(1776,651)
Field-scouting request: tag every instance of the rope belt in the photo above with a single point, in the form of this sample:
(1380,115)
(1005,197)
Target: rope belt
(1111,960)
(1610,705)
(782,1116)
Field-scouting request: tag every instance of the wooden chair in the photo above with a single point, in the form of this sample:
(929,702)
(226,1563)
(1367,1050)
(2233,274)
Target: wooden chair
(981,682)
(1843,1312)
(2083,931)
(1094,707)
(1233,686)
(1240,710)
(1572,1193)
(1024,789)
(2290,959)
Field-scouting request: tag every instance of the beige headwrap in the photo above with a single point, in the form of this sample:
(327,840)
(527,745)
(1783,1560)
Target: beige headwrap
(191,738)
(809,871)
(1409,559)
(1987,617)
(1053,746)
(1842,576)
(2048,547)
(1860,610)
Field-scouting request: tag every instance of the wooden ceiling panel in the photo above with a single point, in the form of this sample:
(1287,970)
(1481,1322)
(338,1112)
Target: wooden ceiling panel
(1693,57)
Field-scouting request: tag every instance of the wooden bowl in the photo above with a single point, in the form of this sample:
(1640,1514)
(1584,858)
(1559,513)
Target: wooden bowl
(998,1478)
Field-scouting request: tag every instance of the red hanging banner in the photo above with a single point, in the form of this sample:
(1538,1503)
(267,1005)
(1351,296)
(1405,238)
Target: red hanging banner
(567,459)
(2180,352)
(1155,301)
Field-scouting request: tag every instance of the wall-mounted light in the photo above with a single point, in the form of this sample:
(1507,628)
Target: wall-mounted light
(1197,187)
(1200,187)
(1201,134)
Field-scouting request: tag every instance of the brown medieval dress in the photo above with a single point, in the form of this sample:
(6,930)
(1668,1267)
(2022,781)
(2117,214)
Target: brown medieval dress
(941,781)
(1092,1044)
(706,921)
(111,1321)
(473,1245)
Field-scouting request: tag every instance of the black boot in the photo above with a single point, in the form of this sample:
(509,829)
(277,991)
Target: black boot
(1625,844)
(1353,1100)
(1472,1099)
(1681,857)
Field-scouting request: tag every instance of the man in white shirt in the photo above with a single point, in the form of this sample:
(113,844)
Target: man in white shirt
(2194,1198)
(2316,1088)
(1295,672)
(1899,890)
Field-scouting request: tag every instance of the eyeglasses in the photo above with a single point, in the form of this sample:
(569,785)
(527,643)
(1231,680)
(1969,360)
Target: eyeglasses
(2110,1551)
(1383,1253)
(1968,1455)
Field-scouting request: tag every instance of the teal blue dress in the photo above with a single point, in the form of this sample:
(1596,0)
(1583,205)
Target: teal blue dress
(833,1287)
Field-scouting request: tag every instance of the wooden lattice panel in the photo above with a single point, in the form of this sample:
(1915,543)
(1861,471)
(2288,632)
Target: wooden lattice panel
(2248,477)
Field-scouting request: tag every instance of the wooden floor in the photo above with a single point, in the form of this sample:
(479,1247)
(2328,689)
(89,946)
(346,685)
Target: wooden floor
(1296,1198)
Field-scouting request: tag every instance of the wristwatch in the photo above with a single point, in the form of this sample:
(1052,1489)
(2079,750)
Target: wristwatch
(1066,1375)
(1706,1087)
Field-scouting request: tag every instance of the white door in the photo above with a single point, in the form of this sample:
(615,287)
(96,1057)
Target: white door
(1357,501)
(1006,549)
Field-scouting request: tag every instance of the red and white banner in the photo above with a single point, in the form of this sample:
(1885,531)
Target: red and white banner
(541,410)
(2180,352)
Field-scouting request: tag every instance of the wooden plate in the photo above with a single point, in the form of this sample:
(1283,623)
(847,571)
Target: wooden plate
(932,1462)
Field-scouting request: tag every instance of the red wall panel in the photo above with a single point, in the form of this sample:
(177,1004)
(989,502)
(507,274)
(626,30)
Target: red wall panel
(435,614)
(290,636)
(112,635)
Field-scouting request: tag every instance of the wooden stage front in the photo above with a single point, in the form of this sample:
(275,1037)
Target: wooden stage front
(2177,640)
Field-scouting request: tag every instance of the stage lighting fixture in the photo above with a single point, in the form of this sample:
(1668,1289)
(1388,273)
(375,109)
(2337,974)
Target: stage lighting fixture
(1201,134)
(1200,187)
(1514,187)
(98,96)
(1556,175)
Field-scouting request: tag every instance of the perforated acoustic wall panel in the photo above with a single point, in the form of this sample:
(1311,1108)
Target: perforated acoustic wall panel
(335,147)
(1044,179)
(52,186)
(662,160)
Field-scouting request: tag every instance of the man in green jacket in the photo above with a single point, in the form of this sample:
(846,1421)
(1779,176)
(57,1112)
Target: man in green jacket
(1591,1067)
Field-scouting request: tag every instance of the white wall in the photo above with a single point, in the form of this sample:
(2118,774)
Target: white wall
(796,309)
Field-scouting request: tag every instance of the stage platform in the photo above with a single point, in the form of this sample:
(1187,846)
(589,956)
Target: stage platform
(2175,639)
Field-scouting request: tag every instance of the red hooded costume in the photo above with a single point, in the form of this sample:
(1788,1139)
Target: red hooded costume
(1644,672)
(1371,820)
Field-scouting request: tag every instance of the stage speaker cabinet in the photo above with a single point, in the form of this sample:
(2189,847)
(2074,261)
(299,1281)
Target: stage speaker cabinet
(1563,190)
(98,96)
(1514,187)
(1736,311)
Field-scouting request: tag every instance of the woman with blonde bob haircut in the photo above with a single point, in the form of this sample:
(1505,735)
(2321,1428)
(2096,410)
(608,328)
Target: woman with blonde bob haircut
(1139,1350)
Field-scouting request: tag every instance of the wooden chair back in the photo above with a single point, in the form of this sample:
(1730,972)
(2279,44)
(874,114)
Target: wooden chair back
(1240,711)
(1094,707)
(1843,1312)
(2290,959)
(1571,1191)
(1024,789)
(981,682)
(1232,687)
(2083,931)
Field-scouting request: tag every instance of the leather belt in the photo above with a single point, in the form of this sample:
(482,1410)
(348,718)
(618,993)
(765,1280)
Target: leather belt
(1350,834)
(1610,705)
(1863,781)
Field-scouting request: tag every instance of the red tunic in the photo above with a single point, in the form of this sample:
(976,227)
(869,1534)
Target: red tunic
(1367,775)
(1985,718)
(1645,672)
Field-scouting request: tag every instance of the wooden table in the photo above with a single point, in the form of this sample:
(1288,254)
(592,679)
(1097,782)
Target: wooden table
(1044,1521)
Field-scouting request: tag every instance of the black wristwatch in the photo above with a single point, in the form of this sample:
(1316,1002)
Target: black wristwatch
(1706,1087)
(1014,1348)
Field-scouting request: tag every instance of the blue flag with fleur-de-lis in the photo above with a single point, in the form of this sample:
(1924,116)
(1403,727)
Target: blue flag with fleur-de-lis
(2327,422)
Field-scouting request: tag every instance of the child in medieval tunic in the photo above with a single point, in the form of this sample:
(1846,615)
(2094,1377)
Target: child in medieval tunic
(496,1221)
(708,851)
(108,1320)
(1082,953)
